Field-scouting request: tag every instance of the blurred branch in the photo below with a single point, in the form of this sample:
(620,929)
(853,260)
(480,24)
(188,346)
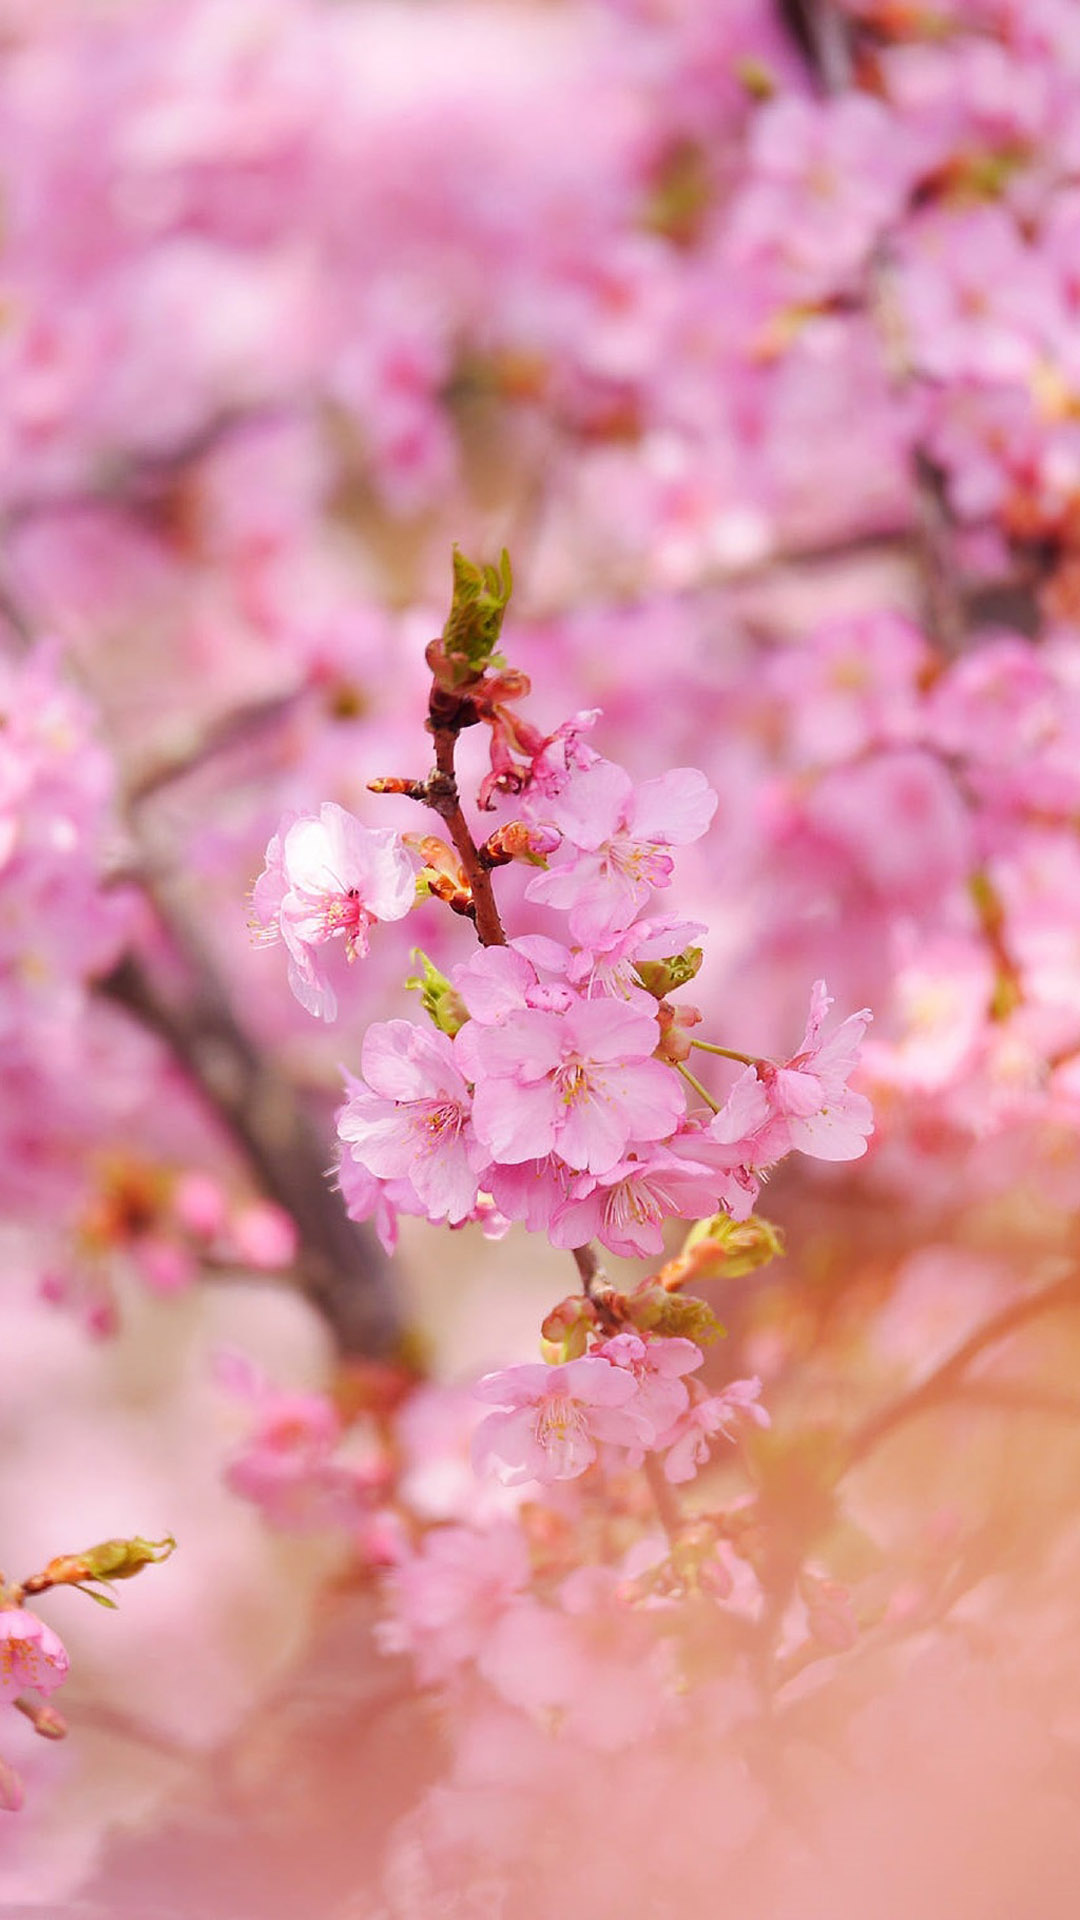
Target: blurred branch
(137,479)
(342,1269)
(823,37)
(942,1384)
(245,726)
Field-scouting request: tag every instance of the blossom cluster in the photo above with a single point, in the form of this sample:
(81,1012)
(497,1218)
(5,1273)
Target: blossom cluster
(555,1091)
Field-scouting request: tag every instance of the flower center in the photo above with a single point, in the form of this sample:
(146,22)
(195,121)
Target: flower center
(557,1419)
(439,1124)
(631,1203)
(572,1081)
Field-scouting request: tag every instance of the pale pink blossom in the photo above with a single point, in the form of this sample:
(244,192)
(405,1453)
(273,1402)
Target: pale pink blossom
(803,1105)
(290,1464)
(328,878)
(550,1419)
(450,1593)
(410,1118)
(579,1083)
(598,1668)
(615,841)
(31,1654)
(812,1107)
(626,1207)
(688,1442)
(658,1366)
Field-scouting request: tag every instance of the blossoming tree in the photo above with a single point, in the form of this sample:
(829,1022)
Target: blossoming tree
(750,330)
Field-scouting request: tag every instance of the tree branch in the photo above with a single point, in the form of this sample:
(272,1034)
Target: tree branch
(940,1385)
(342,1268)
(446,718)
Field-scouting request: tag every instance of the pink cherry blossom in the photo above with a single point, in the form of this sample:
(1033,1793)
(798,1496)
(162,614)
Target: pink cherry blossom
(328,877)
(813,1108)
(290,1464)
(626,1207)
(451,1592)
(579,1083)
(804,1105)
(410,1118)
(550,1419)
(658,1366)
(31,1654)
(615,841)
(688,1442)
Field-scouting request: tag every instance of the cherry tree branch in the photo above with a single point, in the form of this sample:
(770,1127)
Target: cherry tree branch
(446,719)
(941,1385)
(341,1269)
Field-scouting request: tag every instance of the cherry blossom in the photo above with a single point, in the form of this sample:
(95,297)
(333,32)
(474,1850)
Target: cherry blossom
(626,1206)
(550,1419)
(615,837)
(579,1082)
(411,1118)
(328,877)
(687,1443)
(31,1654)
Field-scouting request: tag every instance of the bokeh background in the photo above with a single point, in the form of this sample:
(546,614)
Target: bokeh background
(751,329)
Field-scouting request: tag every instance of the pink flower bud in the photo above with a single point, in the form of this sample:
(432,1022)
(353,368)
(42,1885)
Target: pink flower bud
(264,1236)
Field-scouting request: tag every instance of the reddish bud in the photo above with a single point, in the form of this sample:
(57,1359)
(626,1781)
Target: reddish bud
(567,1328)
(517,841)
(675,1023)
(393,783)
(45,1720)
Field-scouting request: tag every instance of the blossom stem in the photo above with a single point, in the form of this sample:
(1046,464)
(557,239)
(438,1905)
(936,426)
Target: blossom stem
(726,1053)
(692,1081)
(598,1287)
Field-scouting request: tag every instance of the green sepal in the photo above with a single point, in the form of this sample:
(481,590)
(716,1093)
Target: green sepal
(444,1007)
(652,1309)
(661,977)
(727,1248)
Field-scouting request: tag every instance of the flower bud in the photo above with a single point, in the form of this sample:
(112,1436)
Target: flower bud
(661,977)
(46,1720)
(567,1328)
(471,634)
(723,1248)
(651,1308)
(12,1792)
(675,1022)
(518,841)
(109,1560)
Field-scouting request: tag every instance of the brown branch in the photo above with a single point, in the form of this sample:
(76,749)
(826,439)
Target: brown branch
(667,1505)
(342,1269)
(940,1385)
(598,1288)
(445,722)
(244,726)
(823,37)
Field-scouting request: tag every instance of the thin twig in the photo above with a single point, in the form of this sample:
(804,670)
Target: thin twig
(693,1081)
